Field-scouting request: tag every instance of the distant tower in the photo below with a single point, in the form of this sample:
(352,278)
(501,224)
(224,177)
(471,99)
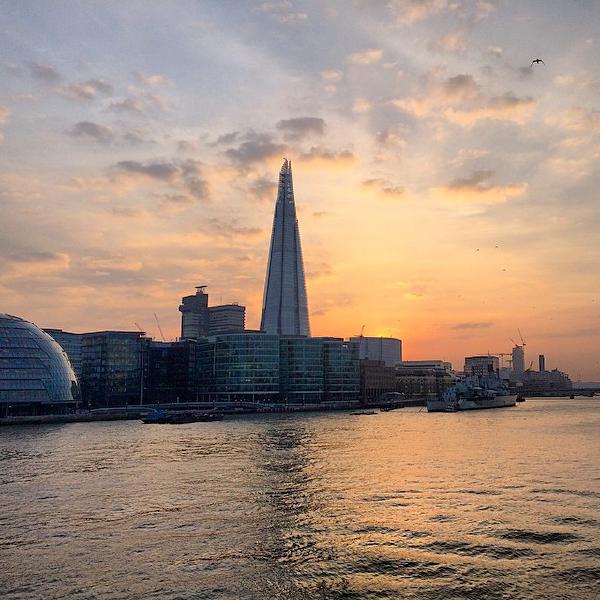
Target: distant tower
(518,360)
(542,361)
(194,315)
(285,308)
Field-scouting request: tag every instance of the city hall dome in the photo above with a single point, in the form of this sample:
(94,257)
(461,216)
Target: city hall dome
(35,374)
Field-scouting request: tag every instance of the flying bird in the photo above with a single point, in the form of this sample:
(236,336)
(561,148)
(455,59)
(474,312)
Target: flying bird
(536,61)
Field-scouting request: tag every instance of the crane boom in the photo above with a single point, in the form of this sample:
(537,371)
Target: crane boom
(162,335)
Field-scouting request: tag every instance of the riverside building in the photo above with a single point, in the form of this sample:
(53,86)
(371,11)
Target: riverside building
(285,306)
(384,349)
(36,377)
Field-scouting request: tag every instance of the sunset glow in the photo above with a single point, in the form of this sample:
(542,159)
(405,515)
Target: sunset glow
(447,191)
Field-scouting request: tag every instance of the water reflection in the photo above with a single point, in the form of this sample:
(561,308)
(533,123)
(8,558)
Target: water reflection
(402,505)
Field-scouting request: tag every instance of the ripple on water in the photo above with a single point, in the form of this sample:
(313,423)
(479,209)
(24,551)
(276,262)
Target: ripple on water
(466,549)
(539,537)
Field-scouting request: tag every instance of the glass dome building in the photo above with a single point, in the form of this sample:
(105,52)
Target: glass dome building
(35,374)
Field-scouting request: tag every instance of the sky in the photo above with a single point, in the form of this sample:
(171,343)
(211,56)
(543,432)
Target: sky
(447,190)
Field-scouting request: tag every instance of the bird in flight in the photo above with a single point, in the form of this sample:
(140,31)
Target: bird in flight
(537,61)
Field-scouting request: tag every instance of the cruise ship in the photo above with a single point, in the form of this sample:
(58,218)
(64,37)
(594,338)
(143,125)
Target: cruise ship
(473,393)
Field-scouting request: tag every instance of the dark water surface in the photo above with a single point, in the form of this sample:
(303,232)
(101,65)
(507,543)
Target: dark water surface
(493,504)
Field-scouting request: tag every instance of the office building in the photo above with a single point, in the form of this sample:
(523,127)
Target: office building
(239,367)
(384,349)
(542,363)
(35,374)
(71,344)
(376,379)
(112,368)
(341,370)
(423,379)
(194,315)
(285,306)
(481,365)
(518,360)
(226,318)
(301,370)
(171,372)
(200,320)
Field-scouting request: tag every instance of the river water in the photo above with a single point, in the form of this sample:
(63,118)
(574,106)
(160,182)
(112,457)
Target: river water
(493,504)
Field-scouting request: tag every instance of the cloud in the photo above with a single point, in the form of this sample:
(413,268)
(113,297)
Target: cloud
(385,187)
(322,214)
(175,202)
(361,105)
(478,188)
(185,174)
(87,90)
(366,57)
(151,79)
(127,105)
(44,73)
(390,138)
(282,12)
(473,325)
(256,147)
(460,100)
(263,188)
(301,127)
(577,119)
(320,269)
(319,154)
(507,107)
(28,262)
(4,114)
(230,227)
(331,76)
(453,41)
(93,131)
(411,11)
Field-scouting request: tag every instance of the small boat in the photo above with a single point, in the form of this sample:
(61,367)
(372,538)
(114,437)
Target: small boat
(155,416)
(520,398)
(357,413)
(179,417)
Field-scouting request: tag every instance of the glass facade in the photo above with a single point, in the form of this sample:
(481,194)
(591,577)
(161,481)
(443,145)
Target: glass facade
(301,369)
(285,307)
(111,368)
(341,370)
(35,374)
(239,367)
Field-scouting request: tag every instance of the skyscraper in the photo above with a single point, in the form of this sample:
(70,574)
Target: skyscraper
(285,308)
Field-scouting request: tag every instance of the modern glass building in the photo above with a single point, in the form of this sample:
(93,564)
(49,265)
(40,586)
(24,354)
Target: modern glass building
(112,368)
(341,370)
(285,307)
(35,374)
(71,344)
(301,369)
(239,367)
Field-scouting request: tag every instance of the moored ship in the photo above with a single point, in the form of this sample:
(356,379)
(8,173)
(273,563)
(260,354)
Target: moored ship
(473,393)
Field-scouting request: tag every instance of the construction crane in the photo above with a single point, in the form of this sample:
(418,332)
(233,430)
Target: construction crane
(522,340)
(162,335)
(502,355)
(138,326)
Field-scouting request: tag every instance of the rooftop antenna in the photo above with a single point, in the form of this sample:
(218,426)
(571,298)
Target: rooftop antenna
(162,335)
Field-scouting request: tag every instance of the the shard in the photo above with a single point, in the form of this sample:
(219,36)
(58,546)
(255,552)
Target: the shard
(285,308)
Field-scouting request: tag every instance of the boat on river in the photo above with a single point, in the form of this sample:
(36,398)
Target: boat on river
(473,393)
(177,417)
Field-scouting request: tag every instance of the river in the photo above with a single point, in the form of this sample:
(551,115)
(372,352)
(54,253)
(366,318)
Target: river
(487,504)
